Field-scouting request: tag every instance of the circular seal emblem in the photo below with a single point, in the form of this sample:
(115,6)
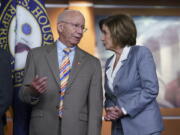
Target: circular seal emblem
(26,29)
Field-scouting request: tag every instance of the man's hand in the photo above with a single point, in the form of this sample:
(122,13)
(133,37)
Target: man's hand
(113,113)
(39,84)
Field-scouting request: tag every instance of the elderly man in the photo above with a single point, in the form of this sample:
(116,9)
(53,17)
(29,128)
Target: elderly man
(63,83)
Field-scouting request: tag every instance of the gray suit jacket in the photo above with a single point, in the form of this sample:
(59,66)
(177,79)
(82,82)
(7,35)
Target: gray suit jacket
(83,97)
(6,86)
(135,89)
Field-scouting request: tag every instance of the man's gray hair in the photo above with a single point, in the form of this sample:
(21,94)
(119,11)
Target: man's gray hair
(62,16)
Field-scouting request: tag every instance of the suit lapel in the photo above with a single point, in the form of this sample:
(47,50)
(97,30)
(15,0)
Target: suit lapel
(124,62)
(52,60)
(79,60)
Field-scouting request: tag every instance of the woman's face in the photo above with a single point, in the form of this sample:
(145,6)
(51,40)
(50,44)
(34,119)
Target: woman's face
(106,38)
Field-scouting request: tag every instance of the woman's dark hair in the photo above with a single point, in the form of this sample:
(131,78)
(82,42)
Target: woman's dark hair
(122,28)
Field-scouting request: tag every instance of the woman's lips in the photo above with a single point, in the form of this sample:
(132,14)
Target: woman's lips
(20,47)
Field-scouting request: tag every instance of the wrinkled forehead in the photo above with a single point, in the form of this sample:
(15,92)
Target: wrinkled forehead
(72,16)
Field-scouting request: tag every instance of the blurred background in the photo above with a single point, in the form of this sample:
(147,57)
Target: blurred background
(158,26)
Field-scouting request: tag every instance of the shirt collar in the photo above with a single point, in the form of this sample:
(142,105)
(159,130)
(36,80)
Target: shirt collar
(125,53)
(123,57)
(62,46)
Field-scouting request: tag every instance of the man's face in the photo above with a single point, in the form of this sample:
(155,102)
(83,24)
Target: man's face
(71,29)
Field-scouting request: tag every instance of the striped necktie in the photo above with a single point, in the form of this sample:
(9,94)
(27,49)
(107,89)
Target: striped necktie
(64,76)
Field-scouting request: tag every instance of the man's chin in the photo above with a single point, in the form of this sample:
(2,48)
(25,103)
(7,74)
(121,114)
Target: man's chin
(75,43)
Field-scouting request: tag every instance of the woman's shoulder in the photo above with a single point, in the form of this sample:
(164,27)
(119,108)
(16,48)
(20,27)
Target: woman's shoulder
(140,49)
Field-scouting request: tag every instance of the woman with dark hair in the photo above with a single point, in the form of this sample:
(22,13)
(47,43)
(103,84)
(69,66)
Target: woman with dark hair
(131,84)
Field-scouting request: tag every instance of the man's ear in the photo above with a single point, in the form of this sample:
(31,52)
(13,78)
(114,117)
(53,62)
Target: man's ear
(60,27)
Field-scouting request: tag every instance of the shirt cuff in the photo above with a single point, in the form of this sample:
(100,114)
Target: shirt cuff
(124,111)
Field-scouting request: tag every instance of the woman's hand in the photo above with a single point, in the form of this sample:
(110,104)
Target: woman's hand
(113,113)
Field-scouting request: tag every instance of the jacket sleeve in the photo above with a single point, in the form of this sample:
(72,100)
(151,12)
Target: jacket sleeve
(149,83)
(6,88)
(26,93)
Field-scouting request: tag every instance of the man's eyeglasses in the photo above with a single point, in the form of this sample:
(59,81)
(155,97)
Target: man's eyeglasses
(76,26)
